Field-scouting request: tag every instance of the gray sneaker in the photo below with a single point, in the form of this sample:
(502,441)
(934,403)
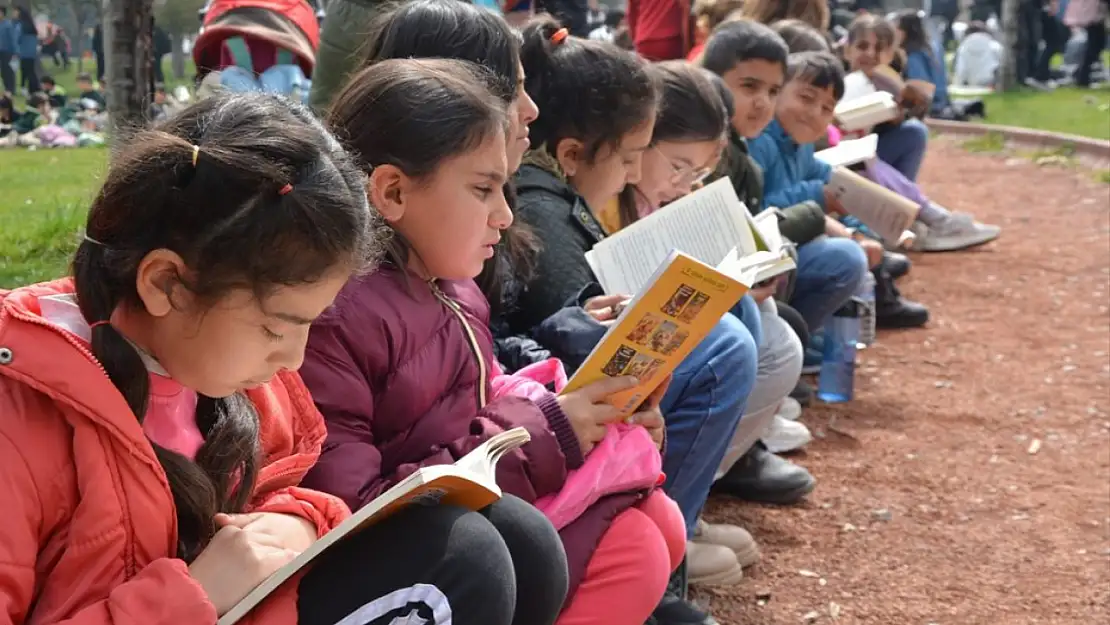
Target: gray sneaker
(958,232)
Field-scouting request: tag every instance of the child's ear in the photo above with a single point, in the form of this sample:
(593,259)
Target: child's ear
(386,189)
(570,153)
(158,275)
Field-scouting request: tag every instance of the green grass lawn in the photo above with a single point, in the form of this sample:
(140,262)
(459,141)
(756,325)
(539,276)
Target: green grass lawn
(67,79)
(45,195)
(1084,112)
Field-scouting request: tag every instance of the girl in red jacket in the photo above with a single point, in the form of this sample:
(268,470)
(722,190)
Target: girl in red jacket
(153,431)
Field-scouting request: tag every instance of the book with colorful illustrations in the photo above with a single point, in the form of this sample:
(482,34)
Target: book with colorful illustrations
(469,483)
(707,225)
(888,214)
(675,308)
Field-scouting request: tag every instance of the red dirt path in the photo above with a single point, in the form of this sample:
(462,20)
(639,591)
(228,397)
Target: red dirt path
(985,436)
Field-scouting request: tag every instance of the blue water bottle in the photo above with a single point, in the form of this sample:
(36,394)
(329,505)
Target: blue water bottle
(838,362)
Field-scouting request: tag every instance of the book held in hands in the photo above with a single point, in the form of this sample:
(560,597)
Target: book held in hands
(469,483)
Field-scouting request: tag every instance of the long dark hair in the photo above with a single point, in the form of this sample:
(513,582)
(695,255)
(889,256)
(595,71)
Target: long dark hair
(915,37)
(587,90)
(414,114)
(228,220)
(459,30)
(27,21)
(801,37)
(690,109)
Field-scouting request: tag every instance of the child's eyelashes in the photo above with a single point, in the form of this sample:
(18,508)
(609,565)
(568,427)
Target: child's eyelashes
(484,192)
(271,335)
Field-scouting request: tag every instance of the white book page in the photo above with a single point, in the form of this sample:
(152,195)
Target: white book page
(767,223)
(881,209)
(851,152)
(704,225)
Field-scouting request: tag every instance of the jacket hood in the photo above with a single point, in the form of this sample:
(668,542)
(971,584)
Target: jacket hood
(59,364)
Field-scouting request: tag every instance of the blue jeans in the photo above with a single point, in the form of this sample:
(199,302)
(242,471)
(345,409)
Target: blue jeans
(747,311)
(703,406)
(903,147)
(829,272)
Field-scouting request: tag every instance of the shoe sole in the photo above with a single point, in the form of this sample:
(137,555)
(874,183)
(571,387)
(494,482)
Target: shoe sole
(794,445)
(811,369)
(785,498)
(730,577)
(956,244)
(748,557)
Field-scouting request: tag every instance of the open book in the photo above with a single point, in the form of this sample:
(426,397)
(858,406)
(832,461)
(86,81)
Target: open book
(469,483)
(890,215)
(706,225)
(676,308)
(851,152)
(866,111)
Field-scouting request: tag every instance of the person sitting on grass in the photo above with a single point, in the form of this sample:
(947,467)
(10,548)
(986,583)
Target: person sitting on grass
(56,93)
(89,91)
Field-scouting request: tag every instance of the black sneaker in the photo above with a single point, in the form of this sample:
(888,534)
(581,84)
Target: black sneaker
(897,265)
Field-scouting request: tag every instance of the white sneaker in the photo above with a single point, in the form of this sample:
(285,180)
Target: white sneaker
(784,436)
(789,409)
(960,231)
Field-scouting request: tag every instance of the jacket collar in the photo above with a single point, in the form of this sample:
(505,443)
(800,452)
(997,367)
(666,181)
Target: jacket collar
(779,136)
(541,173)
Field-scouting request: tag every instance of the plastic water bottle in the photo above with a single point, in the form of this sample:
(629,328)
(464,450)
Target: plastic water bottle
(838,362)
(866,297)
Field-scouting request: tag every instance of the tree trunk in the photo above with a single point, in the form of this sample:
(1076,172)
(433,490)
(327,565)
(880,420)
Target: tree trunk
(128,53)
(177,56)
(1008,79)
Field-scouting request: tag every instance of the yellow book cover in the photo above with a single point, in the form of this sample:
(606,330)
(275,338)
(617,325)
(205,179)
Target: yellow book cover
(666,320)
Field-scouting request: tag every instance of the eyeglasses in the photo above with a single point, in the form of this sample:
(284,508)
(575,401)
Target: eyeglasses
(684,174)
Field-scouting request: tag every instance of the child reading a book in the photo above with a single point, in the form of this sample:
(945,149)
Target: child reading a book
(814,83)
(597,106)
(690,128)
(938,230)
(751,59)
(154,431)
(402,366)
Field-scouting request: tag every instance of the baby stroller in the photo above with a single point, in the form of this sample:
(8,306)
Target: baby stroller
(257,45)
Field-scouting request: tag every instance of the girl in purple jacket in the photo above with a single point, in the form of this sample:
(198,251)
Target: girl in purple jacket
(402,366)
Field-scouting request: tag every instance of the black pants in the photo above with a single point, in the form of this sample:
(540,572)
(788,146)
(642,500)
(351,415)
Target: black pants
(1096,43)
(502,566)
(7,74)
(28,74)
(1055,36)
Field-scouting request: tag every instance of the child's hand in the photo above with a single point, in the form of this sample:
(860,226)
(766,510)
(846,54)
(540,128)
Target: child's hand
(832,203)
(234,562)
(764,290)
(650,416)
(293,532)
(873,249)
(605,307)
(587,411)
(914,100)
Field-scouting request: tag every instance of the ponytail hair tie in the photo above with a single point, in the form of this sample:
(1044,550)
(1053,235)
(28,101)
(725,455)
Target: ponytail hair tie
(285,190)
(559,36)
(96,324)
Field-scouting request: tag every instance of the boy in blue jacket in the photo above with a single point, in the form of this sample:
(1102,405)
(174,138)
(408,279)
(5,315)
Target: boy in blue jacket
(830,270)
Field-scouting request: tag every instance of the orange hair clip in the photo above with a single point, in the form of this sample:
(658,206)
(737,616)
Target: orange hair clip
(559,36)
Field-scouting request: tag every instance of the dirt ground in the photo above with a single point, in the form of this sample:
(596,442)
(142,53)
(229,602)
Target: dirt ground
(969,482)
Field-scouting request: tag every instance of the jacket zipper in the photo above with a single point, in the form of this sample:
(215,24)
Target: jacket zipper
(483,372)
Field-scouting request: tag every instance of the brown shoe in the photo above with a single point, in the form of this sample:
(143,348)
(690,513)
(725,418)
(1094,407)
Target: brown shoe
(712,565)
(734,537)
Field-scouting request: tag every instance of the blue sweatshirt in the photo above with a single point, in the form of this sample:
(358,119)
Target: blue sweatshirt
(791,172)
(920,65)
(9,42)
(28,43)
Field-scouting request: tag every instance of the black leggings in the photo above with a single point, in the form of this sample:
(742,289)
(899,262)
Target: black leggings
(504,565)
